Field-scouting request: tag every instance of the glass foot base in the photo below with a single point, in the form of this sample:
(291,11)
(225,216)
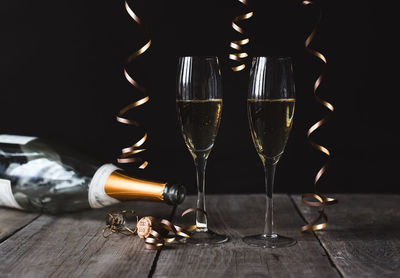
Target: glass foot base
(272,241)
(205,238)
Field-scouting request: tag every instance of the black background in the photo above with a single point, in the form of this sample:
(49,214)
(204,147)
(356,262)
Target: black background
(61,78)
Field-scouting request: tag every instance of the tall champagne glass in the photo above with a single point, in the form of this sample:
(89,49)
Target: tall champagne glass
(199,107)
(270,107)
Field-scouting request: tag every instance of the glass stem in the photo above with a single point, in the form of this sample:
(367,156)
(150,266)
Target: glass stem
(269,169)
(201,219)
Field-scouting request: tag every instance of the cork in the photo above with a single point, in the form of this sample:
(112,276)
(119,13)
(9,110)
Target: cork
(147,224)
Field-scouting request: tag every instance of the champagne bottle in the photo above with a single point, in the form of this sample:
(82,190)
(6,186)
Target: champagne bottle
(36,175)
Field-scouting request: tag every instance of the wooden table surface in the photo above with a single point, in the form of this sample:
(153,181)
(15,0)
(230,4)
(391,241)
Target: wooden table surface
(362,240)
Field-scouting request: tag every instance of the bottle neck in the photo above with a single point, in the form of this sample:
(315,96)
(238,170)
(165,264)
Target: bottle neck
(125,188)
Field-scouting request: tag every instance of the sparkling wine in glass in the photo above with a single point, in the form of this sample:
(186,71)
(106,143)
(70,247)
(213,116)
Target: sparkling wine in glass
(199,107)
(270,106)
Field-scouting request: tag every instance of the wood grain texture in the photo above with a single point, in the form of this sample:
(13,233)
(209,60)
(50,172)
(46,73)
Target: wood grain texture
(71,245)
(238,216)
(13,220)
(363,234)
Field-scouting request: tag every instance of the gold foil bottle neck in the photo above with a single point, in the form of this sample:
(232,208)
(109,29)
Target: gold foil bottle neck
(125,188)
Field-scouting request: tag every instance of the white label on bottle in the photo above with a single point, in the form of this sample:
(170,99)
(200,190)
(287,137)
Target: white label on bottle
(6,196)
(15,139)
(98,197)
(48,171)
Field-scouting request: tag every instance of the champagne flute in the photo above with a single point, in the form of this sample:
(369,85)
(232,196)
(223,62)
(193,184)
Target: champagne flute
(270,107)
(199,107)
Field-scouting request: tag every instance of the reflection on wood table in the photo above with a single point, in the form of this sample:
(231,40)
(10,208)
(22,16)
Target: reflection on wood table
(362,239)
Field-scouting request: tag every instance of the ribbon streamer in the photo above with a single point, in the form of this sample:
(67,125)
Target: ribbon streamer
(320,201)
(128,154)
(159,236)
(240,56)
(163,232)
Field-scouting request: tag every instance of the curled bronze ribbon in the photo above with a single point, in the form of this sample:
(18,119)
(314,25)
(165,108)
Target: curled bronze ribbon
(128,154)
(158,232)
(191,228)
(163,232)
(320,201)
(241,55)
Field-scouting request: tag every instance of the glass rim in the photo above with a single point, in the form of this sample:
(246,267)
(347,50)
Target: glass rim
(206,57)
(273,57)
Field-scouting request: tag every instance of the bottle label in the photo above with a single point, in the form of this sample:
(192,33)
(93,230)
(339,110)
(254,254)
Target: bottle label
(15,139)
(98,198)
(6,196)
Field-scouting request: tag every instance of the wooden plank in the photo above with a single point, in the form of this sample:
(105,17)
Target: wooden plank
(71,245)
(238,216)
(13,220)
(363,234)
